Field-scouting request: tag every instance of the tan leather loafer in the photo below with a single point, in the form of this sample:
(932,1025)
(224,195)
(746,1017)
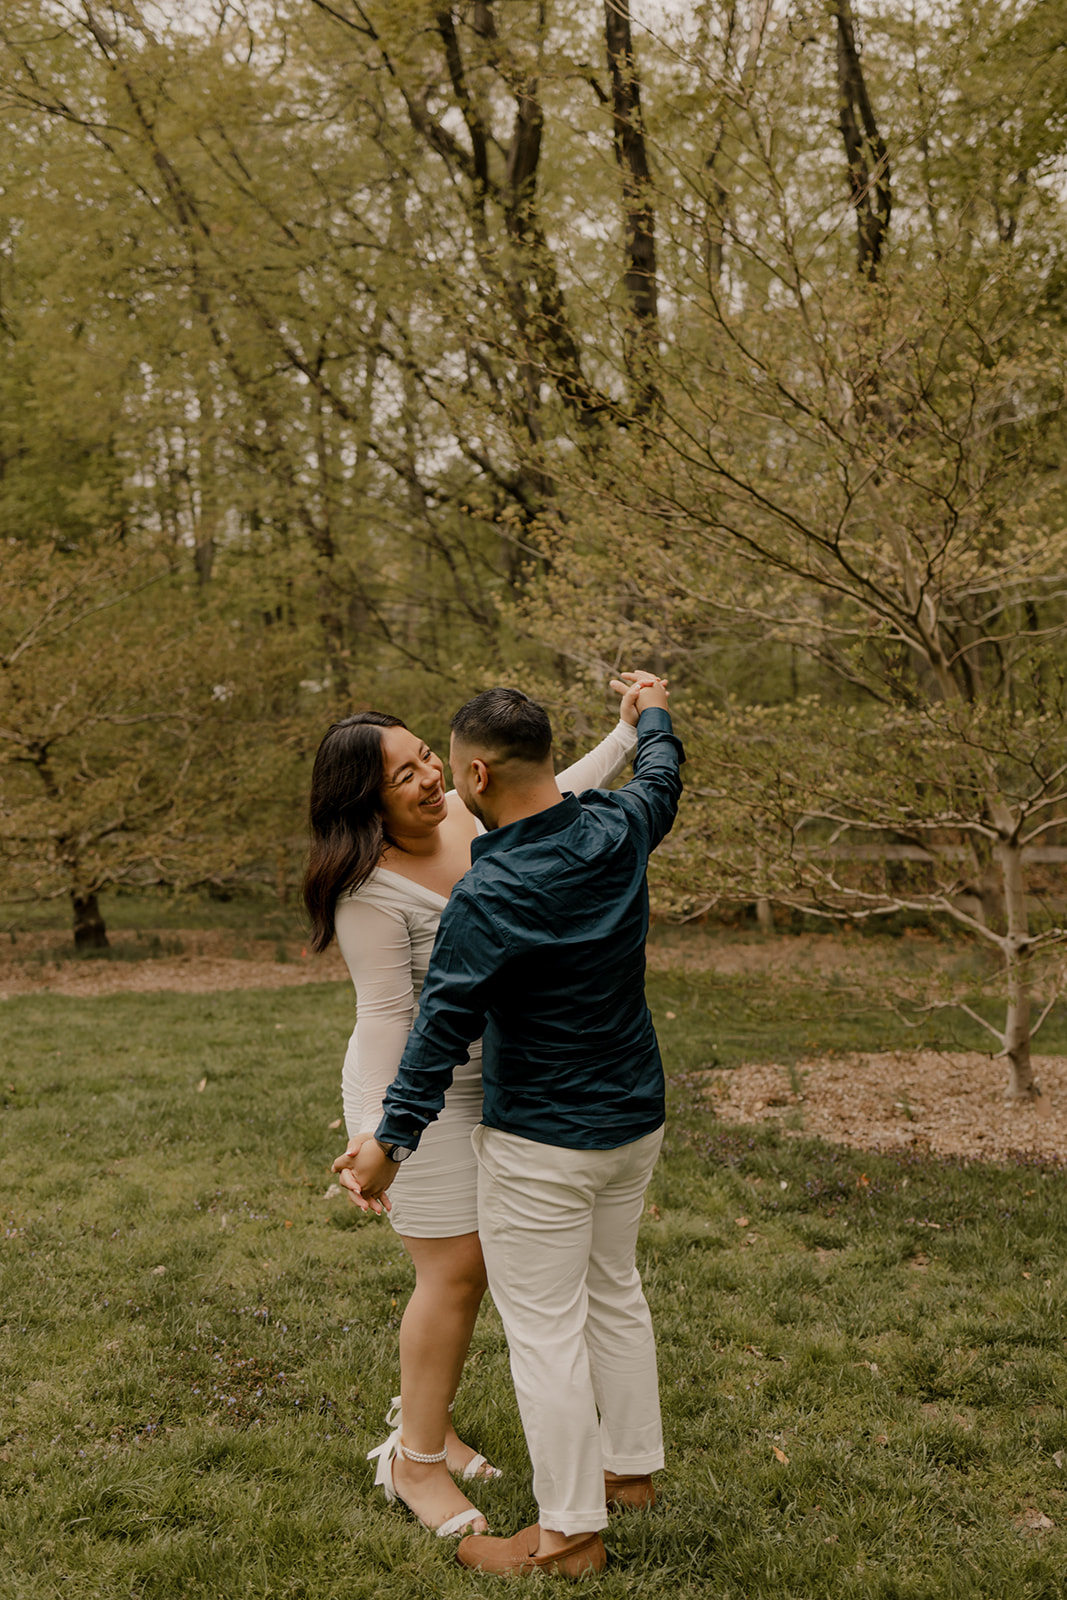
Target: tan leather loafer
(629,1492)
(581,1554)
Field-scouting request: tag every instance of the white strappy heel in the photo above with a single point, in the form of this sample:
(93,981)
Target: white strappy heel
(387,1453)
(474,1466)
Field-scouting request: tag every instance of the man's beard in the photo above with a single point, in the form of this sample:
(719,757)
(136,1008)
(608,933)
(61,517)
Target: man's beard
(476,811)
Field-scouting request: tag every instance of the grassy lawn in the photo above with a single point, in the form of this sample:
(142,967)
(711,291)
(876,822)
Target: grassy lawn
(863,1359)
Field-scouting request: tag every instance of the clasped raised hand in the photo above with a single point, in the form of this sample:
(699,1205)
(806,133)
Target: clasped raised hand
(639,691)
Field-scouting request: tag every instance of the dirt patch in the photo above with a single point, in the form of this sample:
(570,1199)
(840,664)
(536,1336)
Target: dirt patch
(799,956)
(951,1103)
(195,961)
(183,961)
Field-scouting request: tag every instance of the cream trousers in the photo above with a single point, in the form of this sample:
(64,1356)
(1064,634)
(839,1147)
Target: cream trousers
(559,1232)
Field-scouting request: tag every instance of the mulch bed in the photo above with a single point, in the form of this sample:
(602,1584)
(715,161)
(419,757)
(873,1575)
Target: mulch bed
(952,1103)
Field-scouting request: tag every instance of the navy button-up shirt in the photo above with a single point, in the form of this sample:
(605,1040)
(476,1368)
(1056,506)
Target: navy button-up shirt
(542,949)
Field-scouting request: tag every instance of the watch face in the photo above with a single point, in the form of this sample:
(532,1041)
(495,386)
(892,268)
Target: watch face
(400,1152)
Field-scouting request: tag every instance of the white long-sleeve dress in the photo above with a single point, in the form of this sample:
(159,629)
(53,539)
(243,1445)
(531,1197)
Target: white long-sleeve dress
(386,931)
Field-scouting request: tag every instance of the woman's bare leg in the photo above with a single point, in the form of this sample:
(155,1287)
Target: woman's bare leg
(435,1335)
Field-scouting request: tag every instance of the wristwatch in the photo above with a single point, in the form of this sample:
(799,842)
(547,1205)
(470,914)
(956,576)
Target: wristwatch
(397,1152)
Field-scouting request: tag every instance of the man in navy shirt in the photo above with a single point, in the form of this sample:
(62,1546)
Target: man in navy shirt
(541,950)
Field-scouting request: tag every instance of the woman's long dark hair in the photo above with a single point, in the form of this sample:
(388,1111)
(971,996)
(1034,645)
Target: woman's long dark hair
(347,835)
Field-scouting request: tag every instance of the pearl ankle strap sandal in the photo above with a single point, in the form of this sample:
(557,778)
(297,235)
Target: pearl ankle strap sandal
(477,1466)
(386,1454)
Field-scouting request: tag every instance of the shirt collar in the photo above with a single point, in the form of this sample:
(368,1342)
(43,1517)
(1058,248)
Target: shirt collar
(528,829)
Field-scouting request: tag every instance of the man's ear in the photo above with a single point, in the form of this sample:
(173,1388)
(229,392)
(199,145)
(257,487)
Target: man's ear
(479,775)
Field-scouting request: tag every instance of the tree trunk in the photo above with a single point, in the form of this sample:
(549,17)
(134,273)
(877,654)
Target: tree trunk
(89,930)
(865,149)
(204,559)
(632,157)
(991,898)
(1021,1085)
(715,214)
(281,875)
(764,909)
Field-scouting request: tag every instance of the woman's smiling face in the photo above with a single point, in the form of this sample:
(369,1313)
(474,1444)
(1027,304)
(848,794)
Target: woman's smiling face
(413,790)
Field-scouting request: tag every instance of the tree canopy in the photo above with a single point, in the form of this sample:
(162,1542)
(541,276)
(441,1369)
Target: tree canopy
(417,346)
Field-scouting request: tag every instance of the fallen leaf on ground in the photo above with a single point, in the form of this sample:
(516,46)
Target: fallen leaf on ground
(201,1086)
(781,1456)
(1033,1521)
(336,1123)
(742,1222)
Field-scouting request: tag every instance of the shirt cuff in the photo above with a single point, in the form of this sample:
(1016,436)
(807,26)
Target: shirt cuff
(390,1133)
(655,720)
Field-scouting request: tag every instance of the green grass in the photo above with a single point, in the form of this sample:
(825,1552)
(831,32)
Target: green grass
(720,1022)
(893,1325)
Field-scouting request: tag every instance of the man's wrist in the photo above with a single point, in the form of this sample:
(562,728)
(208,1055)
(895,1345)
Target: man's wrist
(393,1151)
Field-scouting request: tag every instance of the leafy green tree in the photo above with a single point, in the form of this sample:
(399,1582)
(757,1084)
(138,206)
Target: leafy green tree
(482,339)
(142,740)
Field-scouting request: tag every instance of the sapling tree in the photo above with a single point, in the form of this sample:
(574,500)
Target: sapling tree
(943,810)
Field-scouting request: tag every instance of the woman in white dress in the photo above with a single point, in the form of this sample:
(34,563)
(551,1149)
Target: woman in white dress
(388,846)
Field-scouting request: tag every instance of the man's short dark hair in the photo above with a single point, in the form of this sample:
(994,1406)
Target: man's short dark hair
(508,723)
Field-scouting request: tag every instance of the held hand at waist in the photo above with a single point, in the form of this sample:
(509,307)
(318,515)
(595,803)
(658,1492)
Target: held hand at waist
(366,1172)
